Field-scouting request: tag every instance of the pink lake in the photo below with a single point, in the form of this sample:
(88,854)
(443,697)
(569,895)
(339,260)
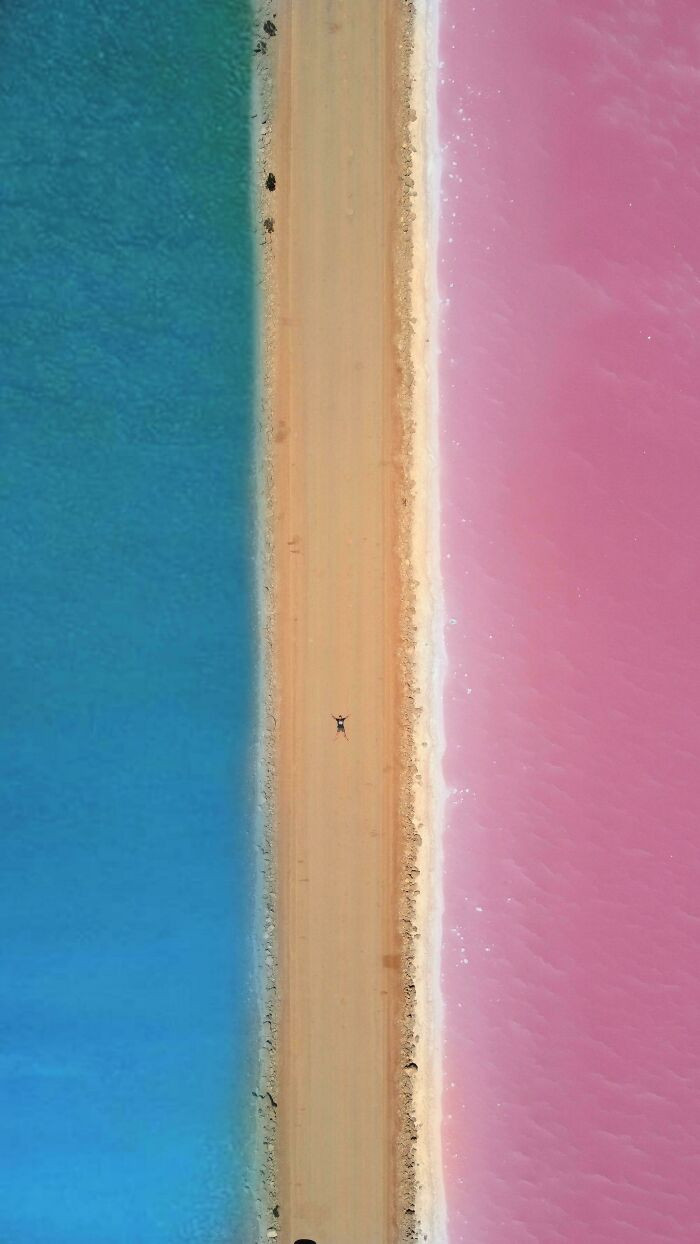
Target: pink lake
(571,553)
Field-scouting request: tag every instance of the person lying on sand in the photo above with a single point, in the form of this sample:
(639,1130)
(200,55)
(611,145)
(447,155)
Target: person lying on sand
(340,724)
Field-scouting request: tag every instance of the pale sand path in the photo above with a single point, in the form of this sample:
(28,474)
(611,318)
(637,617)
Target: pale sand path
(336,624)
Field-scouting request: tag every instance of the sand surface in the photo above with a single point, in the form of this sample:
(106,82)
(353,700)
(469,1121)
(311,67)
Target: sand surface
(337,445)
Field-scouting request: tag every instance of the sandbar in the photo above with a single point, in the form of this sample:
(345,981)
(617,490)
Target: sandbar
(339,434)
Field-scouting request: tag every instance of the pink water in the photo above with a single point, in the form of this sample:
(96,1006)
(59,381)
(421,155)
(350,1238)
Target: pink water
(571,552)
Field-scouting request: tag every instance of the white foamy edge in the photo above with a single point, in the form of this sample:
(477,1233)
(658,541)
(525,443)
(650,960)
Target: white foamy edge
(431,1210)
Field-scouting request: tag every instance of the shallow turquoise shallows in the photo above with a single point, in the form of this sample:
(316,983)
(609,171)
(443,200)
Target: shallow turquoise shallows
(127,835)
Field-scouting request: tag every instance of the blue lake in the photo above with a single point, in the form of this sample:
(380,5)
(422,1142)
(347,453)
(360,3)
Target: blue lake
(128,665)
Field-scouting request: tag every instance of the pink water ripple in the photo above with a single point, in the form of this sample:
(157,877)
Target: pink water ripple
(571,553)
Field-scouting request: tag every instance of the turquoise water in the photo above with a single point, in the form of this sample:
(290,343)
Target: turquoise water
(128,661)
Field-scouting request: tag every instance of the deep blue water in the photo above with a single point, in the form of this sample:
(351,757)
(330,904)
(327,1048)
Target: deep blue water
(128,662)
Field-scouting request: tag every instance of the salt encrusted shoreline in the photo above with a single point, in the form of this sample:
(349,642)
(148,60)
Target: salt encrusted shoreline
(420,1201)
(429,652)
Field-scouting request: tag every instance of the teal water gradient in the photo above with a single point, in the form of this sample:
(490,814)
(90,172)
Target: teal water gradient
(127,1043)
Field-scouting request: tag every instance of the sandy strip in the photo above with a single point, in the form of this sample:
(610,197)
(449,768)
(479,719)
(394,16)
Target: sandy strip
(344,505)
